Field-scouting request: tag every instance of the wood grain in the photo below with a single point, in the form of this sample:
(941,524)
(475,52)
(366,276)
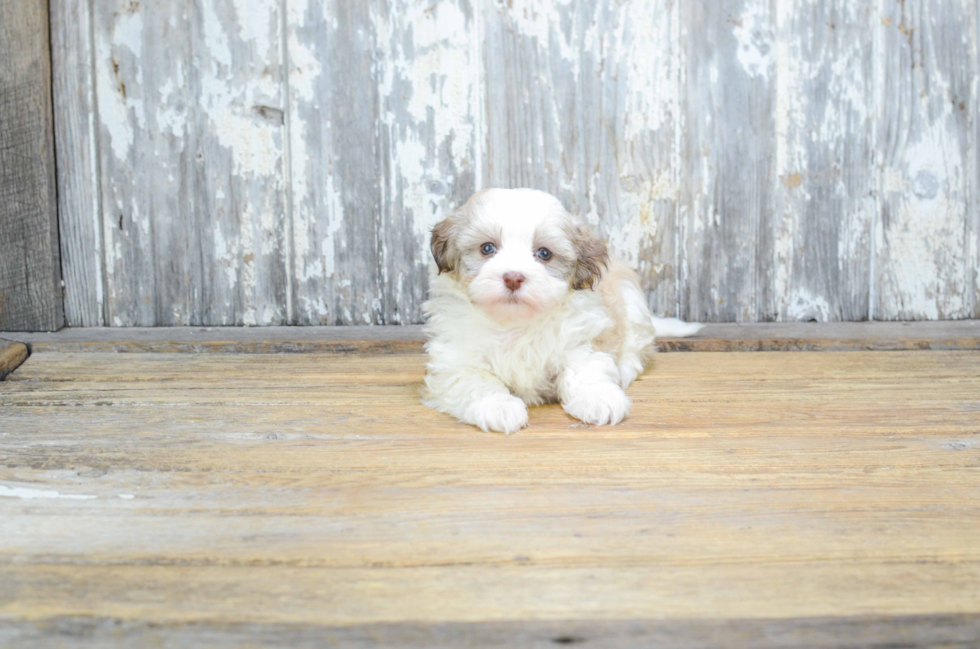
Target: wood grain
(77,145)
(30,269)
(11,356)
(196,494)
(811,633)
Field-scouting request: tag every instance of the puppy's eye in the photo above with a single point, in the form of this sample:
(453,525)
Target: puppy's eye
(543,254)
(488,249)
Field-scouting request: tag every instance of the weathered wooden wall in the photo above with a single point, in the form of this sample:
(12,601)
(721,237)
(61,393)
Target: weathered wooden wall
(271,162)
(30,269)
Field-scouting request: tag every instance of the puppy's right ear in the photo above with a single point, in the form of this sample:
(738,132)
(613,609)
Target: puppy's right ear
(443,245)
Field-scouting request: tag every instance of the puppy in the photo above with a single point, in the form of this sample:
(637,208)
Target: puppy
(526,307)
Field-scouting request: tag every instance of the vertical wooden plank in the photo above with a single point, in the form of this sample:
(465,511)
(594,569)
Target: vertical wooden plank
(928,148)
(79,214)
(582,101)
(191,127)
(728,161)
(430,76)
(131,182)
(334,117)
(30,266)
(974,209)
(825,195)
(383,143)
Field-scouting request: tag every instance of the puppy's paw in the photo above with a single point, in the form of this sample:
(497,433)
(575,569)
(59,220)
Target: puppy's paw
(500,413)
(599,404)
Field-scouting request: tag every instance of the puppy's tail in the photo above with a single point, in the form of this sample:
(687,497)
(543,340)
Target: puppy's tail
(674,328)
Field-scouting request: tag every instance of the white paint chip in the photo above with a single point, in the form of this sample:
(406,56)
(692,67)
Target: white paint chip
(754,36)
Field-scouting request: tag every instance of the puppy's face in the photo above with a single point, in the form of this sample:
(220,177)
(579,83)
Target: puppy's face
(517,252)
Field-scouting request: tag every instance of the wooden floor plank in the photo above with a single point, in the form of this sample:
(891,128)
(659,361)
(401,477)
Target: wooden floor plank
(766,336)
(859,632)
(174,492)
(461,593)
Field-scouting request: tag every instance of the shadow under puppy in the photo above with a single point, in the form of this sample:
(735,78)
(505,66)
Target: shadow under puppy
(526,307)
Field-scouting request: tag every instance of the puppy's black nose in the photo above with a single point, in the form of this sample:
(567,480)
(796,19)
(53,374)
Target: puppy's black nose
(513,281)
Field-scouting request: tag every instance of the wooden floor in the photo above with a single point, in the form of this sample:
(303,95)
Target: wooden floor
(755,499)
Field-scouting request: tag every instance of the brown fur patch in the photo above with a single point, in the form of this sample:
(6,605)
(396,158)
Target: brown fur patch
(443,246)
(592,258)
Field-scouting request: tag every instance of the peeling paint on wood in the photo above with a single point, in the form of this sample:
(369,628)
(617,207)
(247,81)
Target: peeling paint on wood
(728,166)
(191,166)
(825,203)
(925,247)
(430,76)
(263,163)
(336,189)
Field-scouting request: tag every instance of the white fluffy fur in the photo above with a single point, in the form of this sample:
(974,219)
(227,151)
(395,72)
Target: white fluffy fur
(493,352)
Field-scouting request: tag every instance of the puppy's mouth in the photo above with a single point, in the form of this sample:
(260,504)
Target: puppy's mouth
(515,299)
(511,304)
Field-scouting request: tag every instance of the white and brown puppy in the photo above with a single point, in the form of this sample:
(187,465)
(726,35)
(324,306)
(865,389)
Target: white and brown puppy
(525,308)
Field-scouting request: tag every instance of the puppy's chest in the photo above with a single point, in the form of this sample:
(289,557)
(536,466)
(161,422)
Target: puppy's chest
(529,367)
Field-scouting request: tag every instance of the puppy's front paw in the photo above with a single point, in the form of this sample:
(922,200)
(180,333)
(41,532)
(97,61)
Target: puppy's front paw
(501,413)
(600,404)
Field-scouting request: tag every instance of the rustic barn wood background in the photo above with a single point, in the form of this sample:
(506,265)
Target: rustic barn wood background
(264,162)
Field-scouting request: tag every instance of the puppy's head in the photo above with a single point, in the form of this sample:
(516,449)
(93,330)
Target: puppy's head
(517,252)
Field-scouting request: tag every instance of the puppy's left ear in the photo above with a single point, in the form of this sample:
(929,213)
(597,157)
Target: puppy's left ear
(592,258)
